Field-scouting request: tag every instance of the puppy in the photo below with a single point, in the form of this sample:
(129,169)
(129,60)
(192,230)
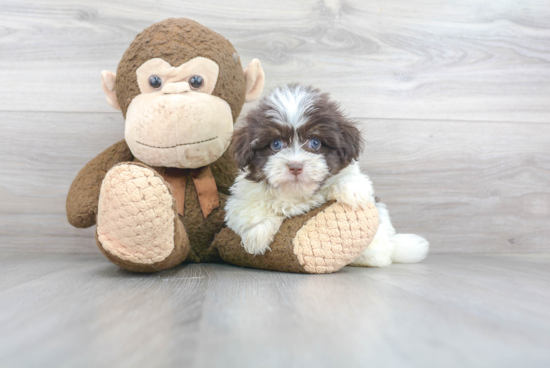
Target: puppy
(296,151)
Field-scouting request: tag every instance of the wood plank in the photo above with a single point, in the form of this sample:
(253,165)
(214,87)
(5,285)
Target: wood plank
(466,187)
(41,154)
(424,59)
(70,310)
(400,316)
(98,286)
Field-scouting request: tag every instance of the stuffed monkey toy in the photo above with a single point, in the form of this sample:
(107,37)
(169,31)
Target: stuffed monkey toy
(157,197)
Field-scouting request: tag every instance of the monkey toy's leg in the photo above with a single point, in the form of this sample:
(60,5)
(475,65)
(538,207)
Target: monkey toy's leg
(137,221)
(322,241)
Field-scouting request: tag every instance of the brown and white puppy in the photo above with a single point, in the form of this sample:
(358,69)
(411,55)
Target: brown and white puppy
(297,150)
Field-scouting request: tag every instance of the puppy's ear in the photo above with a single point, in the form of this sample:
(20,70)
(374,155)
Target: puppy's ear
(242,151)
(352,142)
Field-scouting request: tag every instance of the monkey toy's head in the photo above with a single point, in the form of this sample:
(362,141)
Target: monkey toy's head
(180,87)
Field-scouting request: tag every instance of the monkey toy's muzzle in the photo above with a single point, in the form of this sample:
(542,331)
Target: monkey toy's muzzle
(177,127)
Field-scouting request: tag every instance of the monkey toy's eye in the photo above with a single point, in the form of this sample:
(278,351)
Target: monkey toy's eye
(277,145)
(196,82)
(314,143)
(155,81)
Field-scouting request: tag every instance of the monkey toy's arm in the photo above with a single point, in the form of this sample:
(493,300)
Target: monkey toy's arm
(321,241)
(83,195)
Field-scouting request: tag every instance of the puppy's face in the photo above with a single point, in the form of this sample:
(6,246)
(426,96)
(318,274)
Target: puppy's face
(295,139)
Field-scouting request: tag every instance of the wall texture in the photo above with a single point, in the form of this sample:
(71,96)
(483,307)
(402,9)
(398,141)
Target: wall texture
(453,98)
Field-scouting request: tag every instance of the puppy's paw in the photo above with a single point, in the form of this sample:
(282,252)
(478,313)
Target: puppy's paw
(354,194)
(256,240)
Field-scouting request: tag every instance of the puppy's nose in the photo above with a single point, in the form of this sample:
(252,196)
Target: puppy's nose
(173,88)
(295,168)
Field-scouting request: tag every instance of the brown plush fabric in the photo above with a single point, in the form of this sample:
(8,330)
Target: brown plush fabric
(178,41)
(280,258)
(83,195)
(224,171)
(201,231)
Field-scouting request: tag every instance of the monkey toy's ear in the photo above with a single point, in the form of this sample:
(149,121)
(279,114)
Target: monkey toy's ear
(254,78)
(108,84)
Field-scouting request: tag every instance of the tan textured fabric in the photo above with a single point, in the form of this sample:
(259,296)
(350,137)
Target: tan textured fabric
(135,219)
(335,237)
(181,251)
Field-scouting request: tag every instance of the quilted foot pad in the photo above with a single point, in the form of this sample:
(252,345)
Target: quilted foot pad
(135,220)
(335,237)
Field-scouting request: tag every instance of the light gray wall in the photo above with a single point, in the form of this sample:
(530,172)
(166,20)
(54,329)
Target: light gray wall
(453,97)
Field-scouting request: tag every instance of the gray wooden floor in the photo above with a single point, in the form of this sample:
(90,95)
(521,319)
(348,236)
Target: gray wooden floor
(70,310)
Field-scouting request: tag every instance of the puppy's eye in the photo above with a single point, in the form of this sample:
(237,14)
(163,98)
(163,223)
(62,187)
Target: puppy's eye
(277,145)
(196,81)
(314,143)
(155,81)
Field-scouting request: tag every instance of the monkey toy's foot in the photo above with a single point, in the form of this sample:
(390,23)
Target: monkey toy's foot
(322,241)
(137,222)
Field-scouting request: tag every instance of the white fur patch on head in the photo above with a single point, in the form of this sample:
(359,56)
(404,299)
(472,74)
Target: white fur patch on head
(291,104)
